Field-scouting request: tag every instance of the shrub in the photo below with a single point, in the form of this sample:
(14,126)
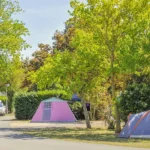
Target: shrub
(26,104)
(136,99)
(77,109)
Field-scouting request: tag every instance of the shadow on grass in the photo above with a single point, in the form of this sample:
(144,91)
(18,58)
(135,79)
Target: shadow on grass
(96,135)
(9,133)
(74,134)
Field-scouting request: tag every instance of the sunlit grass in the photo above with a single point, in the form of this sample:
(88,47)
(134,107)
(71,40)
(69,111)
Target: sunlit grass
(89,135)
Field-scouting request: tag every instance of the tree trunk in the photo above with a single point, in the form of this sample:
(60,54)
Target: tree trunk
(118,123)
(117,114)
(124,84)
(10,100)
(86,114)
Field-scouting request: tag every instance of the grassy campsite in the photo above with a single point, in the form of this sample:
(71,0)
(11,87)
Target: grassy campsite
(85,77)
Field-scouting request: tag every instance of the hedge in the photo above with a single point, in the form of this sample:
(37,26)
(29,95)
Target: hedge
(26,104)
(135,99)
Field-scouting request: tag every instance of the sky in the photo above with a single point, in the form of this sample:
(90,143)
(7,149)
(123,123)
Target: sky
(42,18)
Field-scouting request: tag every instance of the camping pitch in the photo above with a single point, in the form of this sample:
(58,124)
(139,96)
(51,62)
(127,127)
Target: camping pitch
(53,110)
(138,126)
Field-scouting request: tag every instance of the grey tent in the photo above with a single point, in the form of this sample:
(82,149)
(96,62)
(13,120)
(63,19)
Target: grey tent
(138,126)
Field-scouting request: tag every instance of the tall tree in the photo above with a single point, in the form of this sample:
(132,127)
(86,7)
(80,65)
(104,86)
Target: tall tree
(63,39)
(11,36)
(12,30)
(120,27)
(33,64)
(77,72)
(39,56)
(12,42)
(16,78)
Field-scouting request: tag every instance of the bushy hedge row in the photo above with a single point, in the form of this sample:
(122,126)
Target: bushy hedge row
(25,104)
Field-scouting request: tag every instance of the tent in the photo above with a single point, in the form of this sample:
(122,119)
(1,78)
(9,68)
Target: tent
(53,110)
(75,98)
(138,126)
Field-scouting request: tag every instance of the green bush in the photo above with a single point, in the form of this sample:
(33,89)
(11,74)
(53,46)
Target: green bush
(26,104)
(77,109)
(136,99)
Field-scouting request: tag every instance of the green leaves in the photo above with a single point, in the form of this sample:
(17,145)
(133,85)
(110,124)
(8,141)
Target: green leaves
(136,99)
(11,41)
(116,31)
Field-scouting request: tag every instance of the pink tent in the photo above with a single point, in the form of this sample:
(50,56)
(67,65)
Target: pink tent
(53,110)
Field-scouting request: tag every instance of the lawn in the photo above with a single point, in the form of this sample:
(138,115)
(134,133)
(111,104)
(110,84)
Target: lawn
(89,135)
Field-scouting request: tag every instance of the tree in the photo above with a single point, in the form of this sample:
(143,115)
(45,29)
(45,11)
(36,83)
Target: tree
(12,30)
(120,28)
(12,75)
(11,37)
(12,42)
(4,69)
(63,39)
(76,72)
(39,56)
(100,102)
(33,64)
(16,78)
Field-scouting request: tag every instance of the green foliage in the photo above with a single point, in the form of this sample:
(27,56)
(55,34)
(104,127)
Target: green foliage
(33,64)
(99,100)
(12,30)
(11,39)
(119,28)
(77,110)
(26,104)
(63,39)
(3,99)
(14,75)
(76,72)
(135,99)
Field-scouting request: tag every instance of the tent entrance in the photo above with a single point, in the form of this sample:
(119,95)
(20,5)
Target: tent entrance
(47,111)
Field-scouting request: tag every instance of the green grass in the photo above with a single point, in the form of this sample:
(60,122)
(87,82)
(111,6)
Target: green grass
(89,135)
